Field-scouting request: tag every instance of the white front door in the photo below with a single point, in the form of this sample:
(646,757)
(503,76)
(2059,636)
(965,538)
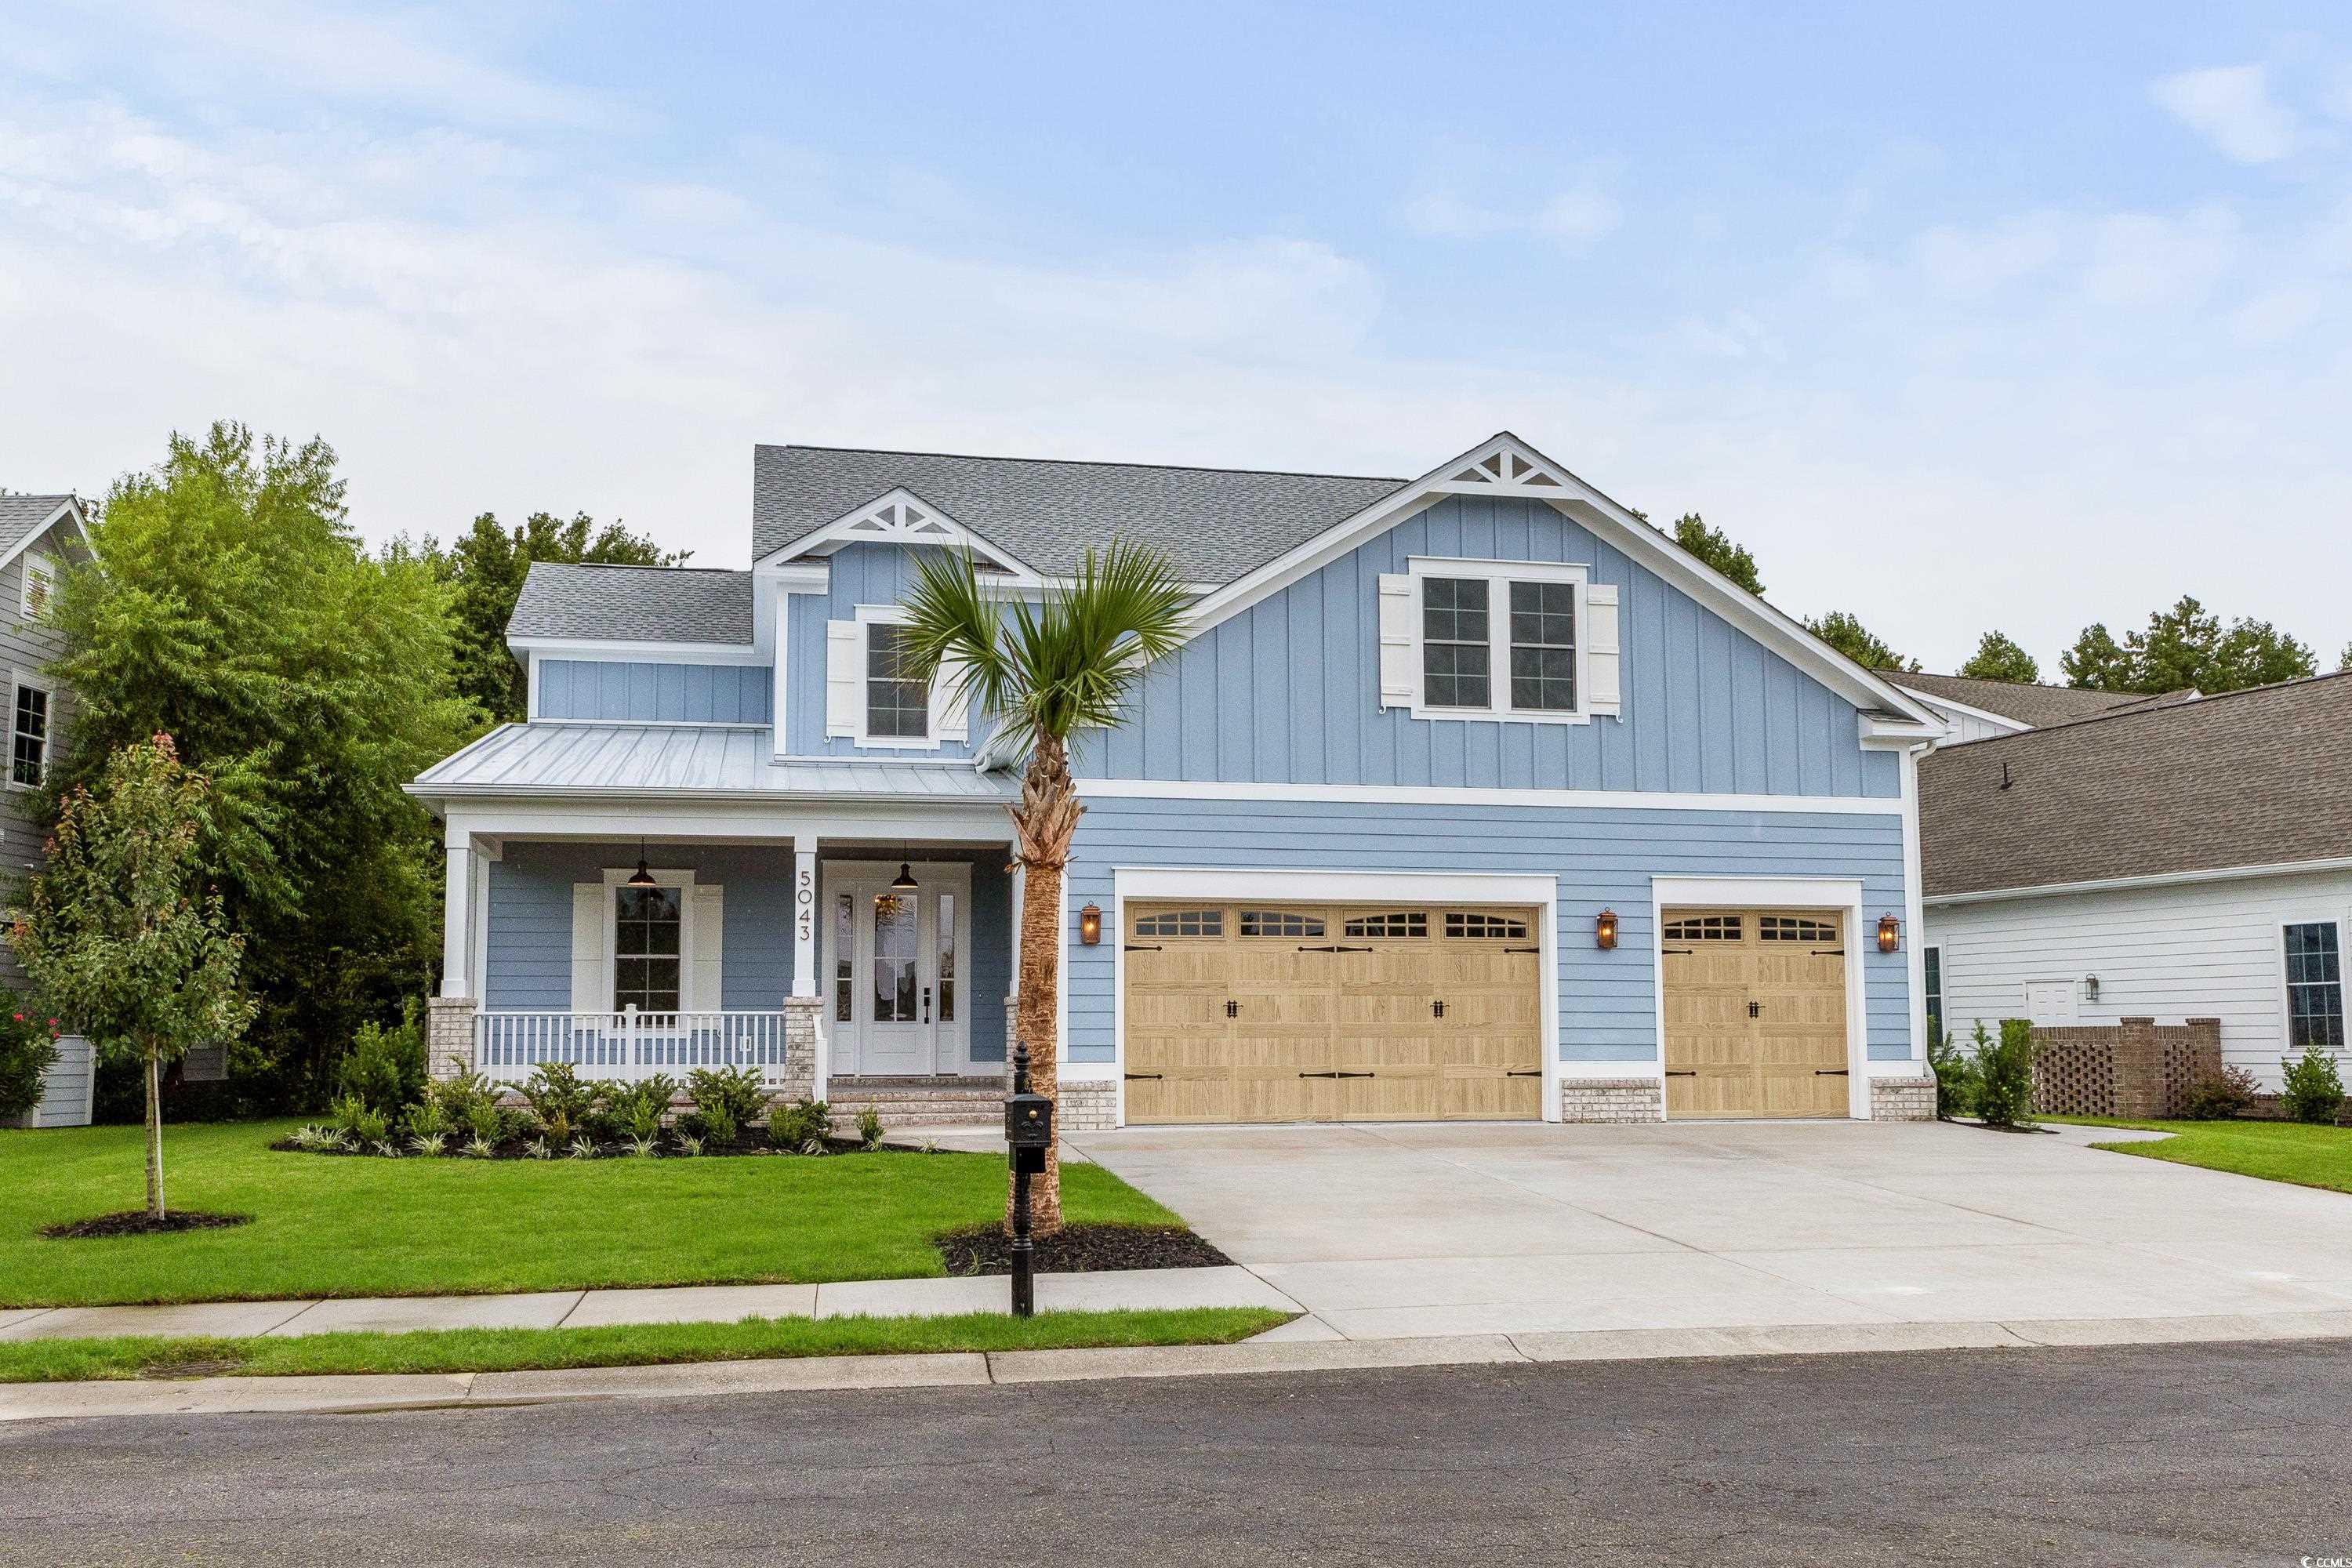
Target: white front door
(898,962)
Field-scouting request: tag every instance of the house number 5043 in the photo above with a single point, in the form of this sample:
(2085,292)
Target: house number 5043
(806,897)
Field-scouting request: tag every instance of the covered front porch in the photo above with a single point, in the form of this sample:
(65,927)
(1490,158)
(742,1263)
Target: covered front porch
(858,937)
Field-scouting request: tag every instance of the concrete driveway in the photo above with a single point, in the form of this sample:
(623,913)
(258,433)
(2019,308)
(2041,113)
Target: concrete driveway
(1399,1230)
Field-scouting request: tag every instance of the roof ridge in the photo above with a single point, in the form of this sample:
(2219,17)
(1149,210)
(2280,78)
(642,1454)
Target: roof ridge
(1076,462)
(644,566)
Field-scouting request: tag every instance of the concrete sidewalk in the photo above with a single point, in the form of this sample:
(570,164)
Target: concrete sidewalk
(352,1395)
(1137,1290)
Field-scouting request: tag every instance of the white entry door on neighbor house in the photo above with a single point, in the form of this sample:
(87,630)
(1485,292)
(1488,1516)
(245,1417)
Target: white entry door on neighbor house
(897,958)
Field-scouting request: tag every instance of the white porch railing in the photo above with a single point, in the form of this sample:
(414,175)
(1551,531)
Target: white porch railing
(627,1045)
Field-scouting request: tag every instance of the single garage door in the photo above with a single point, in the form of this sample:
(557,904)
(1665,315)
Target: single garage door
(1316,1013)
(1755,1007)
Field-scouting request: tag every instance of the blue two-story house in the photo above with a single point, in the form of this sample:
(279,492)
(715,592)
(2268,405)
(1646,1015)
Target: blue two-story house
(1469,796)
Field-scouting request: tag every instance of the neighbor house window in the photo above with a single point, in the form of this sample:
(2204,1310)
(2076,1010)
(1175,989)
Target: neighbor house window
(648,927)
(29,758)
(40,582)
(1935,964)
(1499,638)
(2314,986)
(896,705)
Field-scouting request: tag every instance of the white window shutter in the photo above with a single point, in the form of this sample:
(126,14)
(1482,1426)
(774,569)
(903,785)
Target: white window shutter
(953,712)
(1399,672)
(707,937)
(845,679)
(589,994)
(1605,693)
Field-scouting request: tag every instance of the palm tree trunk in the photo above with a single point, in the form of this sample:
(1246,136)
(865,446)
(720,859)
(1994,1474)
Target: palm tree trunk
(1044,824)
(154,1139)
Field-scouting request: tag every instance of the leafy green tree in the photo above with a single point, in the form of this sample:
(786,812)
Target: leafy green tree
(1998,658)
(1846,634)
(2185,647)
(234,609)
(1044,674)
(485,569)
(118,936)
(1715,547)
(2095,663)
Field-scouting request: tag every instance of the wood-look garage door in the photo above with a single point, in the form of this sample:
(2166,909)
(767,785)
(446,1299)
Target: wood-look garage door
(1317,1013)
(1755,1006)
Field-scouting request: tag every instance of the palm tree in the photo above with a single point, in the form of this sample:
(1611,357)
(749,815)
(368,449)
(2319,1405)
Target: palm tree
(1044,672)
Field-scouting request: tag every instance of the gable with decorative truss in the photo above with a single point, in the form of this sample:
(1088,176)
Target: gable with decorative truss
(902,517)
(1505,471)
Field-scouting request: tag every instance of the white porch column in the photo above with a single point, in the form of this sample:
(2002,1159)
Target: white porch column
(458,919)
(804,918)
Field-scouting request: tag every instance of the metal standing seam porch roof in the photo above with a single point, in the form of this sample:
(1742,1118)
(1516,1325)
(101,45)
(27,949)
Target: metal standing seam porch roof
(733,761)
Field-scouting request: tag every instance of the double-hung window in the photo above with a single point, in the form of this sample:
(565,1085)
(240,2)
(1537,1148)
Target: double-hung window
(2315,985)
(1500,639)
(898,707)
(28,758)
(649,948)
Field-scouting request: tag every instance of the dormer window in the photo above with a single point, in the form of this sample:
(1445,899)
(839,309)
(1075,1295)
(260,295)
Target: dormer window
(872,699)
(1495,639)
(897,708)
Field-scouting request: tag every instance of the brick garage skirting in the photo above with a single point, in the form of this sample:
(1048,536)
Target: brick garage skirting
(1903,1099)
(450,1036)
(1086,1105)
(1611,1099)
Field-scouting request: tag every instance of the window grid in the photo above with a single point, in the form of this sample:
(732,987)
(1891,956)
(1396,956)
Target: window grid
(1794,927)
(30,756)
(648,925)
(1181,922)
(2314,986)
(1543,646)
(844,955)
(1706,928)
(1280,922)
(1457,654)
(1935,966)
(1498,928)
(1400,924)
(897,706)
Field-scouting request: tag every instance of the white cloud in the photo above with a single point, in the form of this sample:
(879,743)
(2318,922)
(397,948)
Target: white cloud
(2277,316)
(1977,261)
(1473,193)
(2140,259)
(2231,106)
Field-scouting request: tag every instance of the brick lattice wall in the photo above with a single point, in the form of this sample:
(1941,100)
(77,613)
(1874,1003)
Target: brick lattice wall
(2136,1067)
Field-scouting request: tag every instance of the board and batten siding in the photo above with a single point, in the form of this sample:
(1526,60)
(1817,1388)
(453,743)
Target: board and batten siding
(654,693)
(1288,690)
(875,575)
(1603,859)
(27,646)
(2196,950)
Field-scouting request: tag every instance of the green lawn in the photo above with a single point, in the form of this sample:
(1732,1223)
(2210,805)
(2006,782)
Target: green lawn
(511,1350)
(334,1227)
(2307,1155)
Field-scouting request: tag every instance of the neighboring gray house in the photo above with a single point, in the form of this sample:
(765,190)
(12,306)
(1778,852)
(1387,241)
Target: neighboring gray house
(38,535)
(2187,859)
(1469,796)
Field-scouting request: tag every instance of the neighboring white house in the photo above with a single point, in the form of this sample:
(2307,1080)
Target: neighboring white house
(1978,710)
(2190,859)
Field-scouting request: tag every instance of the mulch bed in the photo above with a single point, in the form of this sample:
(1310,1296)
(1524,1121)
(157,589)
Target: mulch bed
(138,1222)
(1079,1250)
(519,1149)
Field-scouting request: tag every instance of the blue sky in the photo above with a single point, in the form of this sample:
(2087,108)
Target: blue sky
(1959,320)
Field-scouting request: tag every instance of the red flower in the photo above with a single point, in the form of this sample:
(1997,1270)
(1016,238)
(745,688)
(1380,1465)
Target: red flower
(18,1017)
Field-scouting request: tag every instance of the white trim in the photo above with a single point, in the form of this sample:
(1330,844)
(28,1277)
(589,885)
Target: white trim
(69,510)
(30,680)
(948,1046)
(807,910)
(1499,576)
(807,577)
(779,709)
(1841,893)
(1224,885)
(1433,795)
(1943,983)
(682,880)
(1915,913)
(900,517)
(2287,1048)
(1587,505)
(2153,879)
(2001,721)
(47,566)
(868,616)
(614,650)
(727,821)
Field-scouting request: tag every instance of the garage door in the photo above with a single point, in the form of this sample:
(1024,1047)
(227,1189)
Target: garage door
(1755,1010)
(1317,1013)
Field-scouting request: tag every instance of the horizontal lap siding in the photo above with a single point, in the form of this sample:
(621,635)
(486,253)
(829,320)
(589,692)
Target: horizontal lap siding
(1288,690)
(2208,950)
(27,646)
(1603,859)
(654,693)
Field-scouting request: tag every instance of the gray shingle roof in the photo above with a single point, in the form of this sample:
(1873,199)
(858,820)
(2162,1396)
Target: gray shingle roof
(2251,778)
(20,515)
(546,758)
(2036,705)
(634,603)
(1218,523)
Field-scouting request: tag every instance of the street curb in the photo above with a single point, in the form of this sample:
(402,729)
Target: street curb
(485,1390)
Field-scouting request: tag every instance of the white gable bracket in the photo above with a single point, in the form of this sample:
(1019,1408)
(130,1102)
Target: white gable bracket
(900,517)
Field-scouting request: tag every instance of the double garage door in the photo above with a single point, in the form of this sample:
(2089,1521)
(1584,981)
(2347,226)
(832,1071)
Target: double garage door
(1321,1012)
(1755,1012)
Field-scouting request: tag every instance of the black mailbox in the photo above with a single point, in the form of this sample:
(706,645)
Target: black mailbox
(1029,1130)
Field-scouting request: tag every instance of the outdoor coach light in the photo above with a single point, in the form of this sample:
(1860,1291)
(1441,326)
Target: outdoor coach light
(1890,932)
(1091,924)
(1604,929)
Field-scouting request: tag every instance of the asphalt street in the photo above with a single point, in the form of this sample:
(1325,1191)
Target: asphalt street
(2235,1453)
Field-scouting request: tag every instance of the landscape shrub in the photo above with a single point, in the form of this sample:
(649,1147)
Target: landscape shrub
(1956,1078)
(2004,1081)
(28,1049)
(638,1109)
(801,1127)
(869,1127)
(560,1100)
(428,1127)
(2314,1090)
(726,1100)
(2219,1096)
(365,1125)
(385,1068)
